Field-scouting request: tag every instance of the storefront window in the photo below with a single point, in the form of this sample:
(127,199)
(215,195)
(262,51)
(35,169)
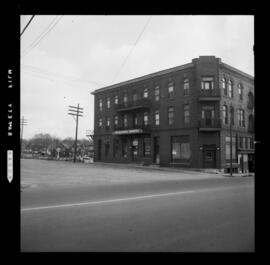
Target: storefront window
(180,148)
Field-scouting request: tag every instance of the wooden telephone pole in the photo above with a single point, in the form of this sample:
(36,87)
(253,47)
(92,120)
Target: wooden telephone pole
(77,112)
(23,122)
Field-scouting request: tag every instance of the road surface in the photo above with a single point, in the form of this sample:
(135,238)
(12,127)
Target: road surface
(214,214)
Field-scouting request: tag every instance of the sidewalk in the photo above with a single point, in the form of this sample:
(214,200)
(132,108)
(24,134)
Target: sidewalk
(173,169)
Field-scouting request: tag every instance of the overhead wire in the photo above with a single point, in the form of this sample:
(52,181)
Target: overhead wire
(132,48)
(57,75)
(28,23)
(43,34)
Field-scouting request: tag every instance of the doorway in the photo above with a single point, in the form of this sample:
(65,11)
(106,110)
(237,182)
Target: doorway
(156,150)
(209,156)
(134,149)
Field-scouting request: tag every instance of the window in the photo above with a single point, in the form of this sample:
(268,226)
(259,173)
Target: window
(228,150)
(156,118)
(146,146)
(115,148)
(246,142)
(100,104)
(116,100)
(207,83)
(108,103)
(134,96)
(232,115)
(241,117)
(157,93)
(180,148)
(224,86)
(125,121)
(115,120)
(250,100)
(230,89)
(145,118)
(186,86)
(249,143)
(225,114)
(135,119)
(171,115)
(186,114)
(107,148)
(251,123)
(240,91)
(100,122)
(241,142)
(145,93)
(125,97)
(170,90)
(108,121)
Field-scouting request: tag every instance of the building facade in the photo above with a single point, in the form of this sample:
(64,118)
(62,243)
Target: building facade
(185,116)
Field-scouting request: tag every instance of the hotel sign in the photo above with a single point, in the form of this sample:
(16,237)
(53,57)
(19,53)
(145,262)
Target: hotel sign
(128,131)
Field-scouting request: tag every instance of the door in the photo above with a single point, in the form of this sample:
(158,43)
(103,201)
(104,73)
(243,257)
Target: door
(134,149)
(209,116)
(209,157)
(156,150)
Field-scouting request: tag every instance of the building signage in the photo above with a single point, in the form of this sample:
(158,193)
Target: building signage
(128,131)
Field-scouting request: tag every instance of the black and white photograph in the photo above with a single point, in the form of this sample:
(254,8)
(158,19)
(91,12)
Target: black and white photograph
(136,133)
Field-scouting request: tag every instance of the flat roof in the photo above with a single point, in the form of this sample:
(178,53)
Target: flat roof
(160,73)
(142,78)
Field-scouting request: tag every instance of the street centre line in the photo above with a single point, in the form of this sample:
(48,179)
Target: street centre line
(127,198)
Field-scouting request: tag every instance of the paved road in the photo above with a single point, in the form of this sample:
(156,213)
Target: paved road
(185,215)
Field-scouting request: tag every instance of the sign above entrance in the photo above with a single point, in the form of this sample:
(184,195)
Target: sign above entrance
(128,131)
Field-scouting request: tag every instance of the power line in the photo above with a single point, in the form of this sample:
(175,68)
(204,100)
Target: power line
(27,24)
(40,35)
(132,48)
(56,22)
(56,75)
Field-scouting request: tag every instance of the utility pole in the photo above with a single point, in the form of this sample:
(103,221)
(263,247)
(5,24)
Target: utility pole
(23,122)
(75,111)
(231,140)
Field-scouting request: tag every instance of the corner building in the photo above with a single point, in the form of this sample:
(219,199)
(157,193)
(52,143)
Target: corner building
(184,116)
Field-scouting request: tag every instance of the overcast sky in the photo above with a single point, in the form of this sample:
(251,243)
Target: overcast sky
(65,58)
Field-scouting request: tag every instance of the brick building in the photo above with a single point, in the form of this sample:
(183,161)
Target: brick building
(178,117)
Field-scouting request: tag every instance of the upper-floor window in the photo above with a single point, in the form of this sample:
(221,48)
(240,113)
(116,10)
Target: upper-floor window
(232,114)
(186,114)
(251,123)
(145,93)
(145,118)
(250,100)
(225,114)
(241,117)
(156,117)
(186,86)
(100,122)
(171,115)
(115,120)
(170,90)
(125,97)
(125,120)
(230,89)
(240,91)
(207,83)
(108,121)
(116,100)
(157,93)
(108,103)
(134,96)
(100,104)
(224,86)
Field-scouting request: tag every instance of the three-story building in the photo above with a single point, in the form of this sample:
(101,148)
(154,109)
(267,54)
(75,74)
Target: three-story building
(181,117)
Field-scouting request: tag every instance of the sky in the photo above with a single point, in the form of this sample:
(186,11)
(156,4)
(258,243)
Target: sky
(65,58)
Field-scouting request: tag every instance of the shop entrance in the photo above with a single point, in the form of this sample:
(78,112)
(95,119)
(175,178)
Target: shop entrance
(209,156)
(134,149)
(156,150)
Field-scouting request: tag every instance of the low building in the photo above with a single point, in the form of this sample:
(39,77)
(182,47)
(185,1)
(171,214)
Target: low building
(178,117)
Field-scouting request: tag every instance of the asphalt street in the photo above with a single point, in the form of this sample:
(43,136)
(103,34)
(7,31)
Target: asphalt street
(196,215)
